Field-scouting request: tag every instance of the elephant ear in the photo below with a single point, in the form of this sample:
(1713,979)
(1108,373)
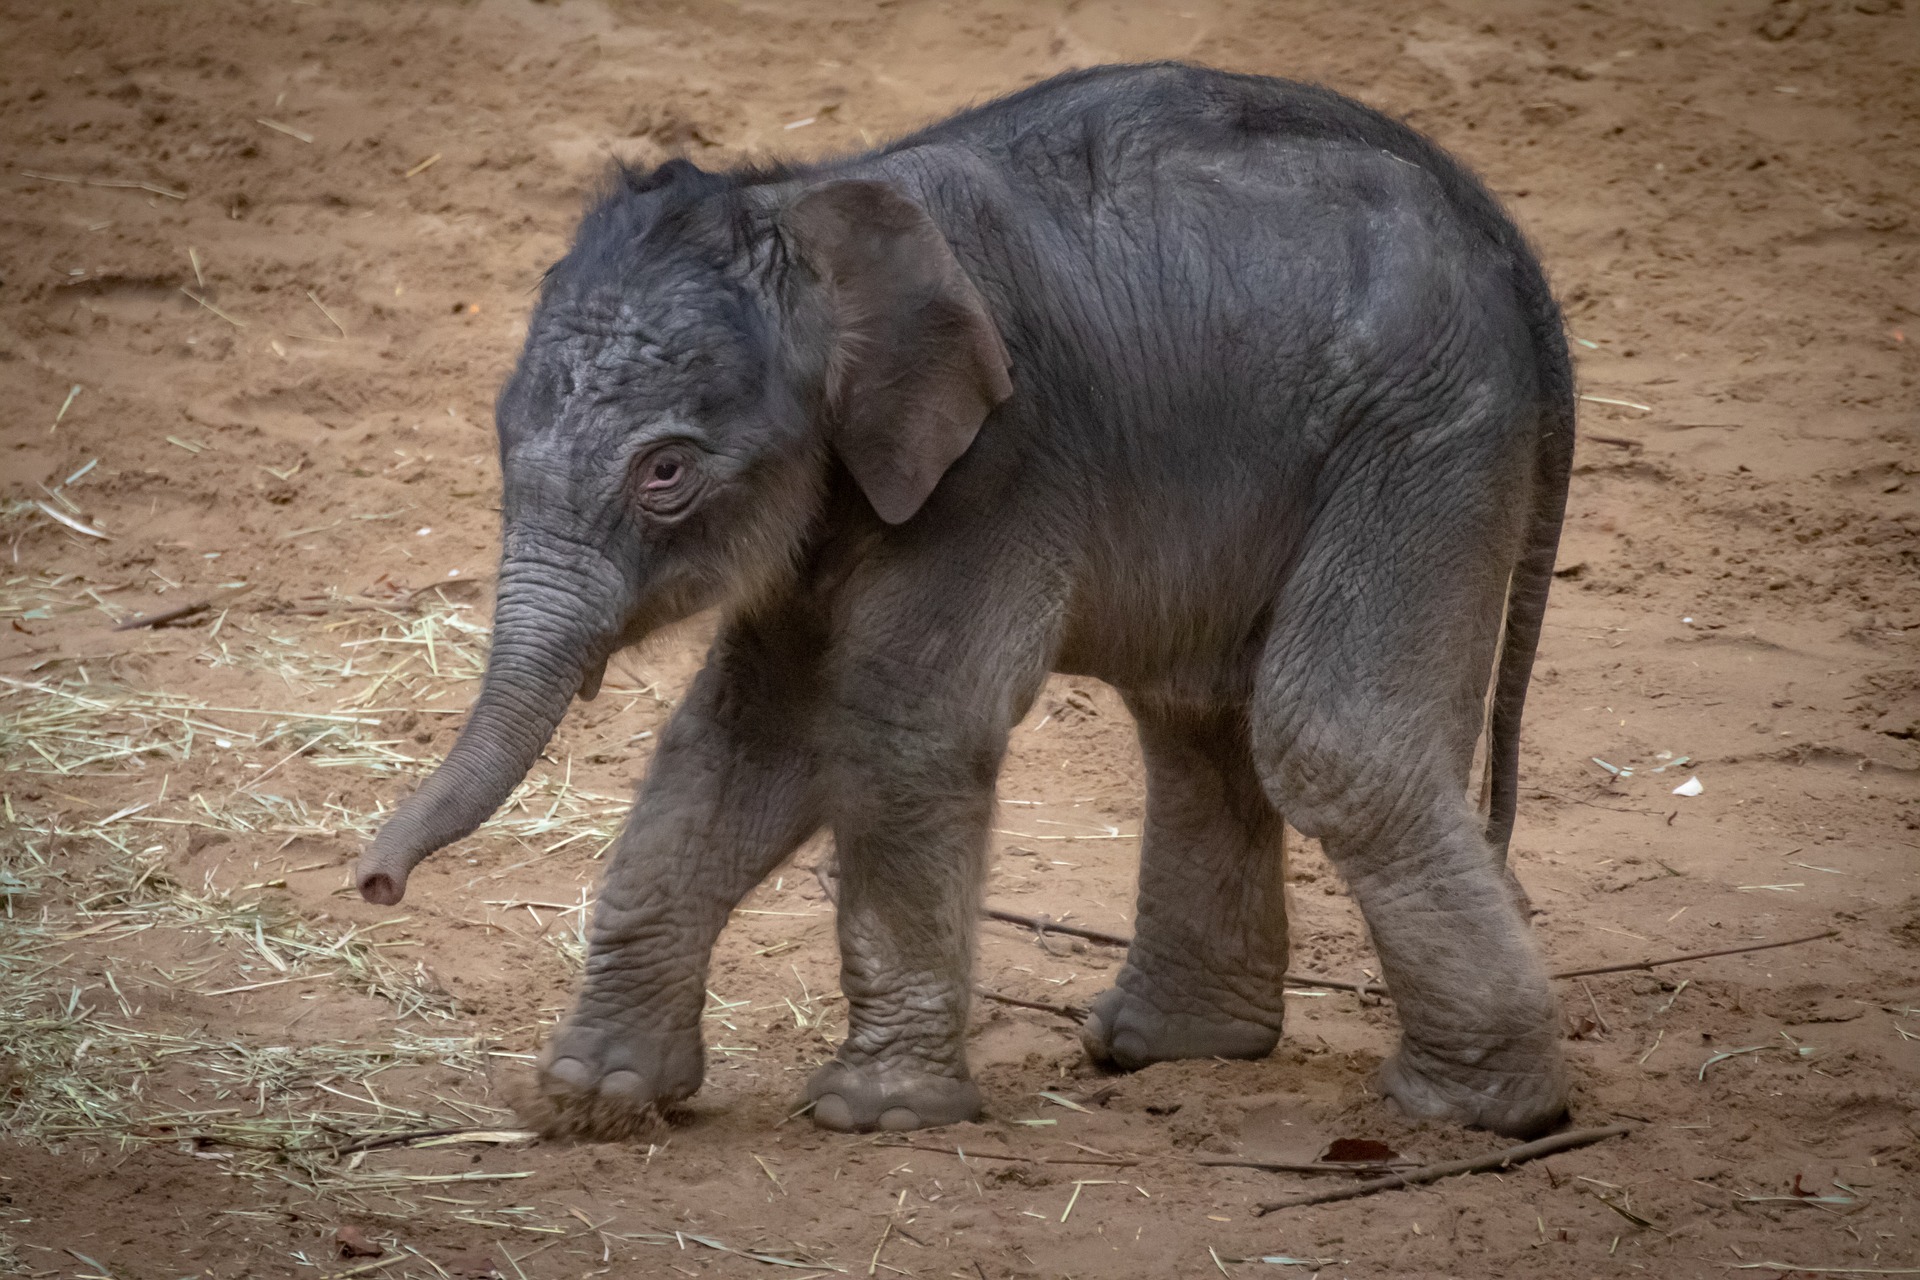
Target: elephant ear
(916,363)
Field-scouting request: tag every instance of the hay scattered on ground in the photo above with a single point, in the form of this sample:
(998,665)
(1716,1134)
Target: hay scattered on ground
(80,1063)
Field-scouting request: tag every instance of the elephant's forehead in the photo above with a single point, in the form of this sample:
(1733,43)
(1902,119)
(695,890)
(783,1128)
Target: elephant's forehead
(624,347)
(610,327)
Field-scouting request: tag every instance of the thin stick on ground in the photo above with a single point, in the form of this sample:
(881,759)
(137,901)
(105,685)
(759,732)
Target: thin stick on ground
(1472,1164)
(1077,1012)
(150,187)
(165,616)
(219,599)
(331,319)
(965,1155)
(396,1139)
(1636,965)
(238,324)
(1045,925)
(1788,1267)
(1310,1166)
(1598,1017)
(1334,984)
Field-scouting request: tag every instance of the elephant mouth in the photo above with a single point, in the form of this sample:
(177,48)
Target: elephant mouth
(590,680)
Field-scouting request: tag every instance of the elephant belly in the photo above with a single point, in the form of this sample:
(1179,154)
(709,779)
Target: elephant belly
(1193,639)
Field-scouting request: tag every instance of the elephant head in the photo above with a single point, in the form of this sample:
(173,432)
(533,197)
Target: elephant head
(705,355)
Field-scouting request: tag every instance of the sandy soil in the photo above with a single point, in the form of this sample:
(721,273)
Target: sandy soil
(264,264)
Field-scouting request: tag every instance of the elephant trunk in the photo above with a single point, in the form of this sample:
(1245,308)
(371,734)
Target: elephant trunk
(546,647)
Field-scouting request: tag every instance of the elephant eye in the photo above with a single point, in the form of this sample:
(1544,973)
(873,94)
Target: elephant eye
(667,481)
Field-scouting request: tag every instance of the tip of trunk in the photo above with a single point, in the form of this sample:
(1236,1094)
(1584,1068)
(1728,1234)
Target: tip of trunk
(381,887)
(381,873)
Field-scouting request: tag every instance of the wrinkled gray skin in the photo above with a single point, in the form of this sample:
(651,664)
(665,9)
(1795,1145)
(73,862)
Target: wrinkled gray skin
(1224,390)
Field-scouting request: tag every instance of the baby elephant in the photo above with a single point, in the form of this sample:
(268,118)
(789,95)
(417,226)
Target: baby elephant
(1224,390)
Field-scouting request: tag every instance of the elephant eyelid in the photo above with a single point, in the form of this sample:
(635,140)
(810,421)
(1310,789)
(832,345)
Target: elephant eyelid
(666,478)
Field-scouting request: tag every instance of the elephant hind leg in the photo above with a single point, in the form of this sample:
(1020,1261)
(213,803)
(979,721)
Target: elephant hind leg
(1203,977)
(1368,703)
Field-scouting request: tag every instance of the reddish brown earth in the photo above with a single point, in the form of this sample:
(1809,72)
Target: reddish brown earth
(1724,193)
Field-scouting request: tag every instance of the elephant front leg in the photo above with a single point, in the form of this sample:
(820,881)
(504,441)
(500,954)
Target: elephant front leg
(946,646)
(911,869)
(1203,977)
(732,791)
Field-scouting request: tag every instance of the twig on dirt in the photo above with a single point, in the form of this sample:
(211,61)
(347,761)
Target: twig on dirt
(1044,925)
(195,608)
(287,129)
(1379,989)
(64,406)
(1694,955)
(873,1263)
(1077,1012)
(1078,1184)
(1621,1209)
(1624,404)
(1447,1169)
(1787,1267)
(1310,1166)
(1110,1162)
(331,319)
(1623,442)
(78,526)
(1334,984)
(365,1267)
(1730,1053)
(396,1139)
(1598,1017)
(362,604)
(165,616)
(149,187)
(238,324)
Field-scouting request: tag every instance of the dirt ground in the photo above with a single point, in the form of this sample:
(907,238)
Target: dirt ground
(263,264)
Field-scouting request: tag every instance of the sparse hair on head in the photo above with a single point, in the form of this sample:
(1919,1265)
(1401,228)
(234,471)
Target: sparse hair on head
(633,206)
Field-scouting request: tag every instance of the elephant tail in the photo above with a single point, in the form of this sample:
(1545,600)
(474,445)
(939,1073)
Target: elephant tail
(1533,571)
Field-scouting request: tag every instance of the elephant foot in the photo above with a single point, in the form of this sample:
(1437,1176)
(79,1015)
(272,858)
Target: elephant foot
(605,1084)
(1125,1031)
(1518,1103)
(853,1099)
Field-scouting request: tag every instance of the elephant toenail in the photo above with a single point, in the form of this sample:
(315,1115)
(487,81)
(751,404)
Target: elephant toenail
(1096,1040)
(570,1072)
(898,1118)
(830,1111)
(1130,1050)
(625,1085)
